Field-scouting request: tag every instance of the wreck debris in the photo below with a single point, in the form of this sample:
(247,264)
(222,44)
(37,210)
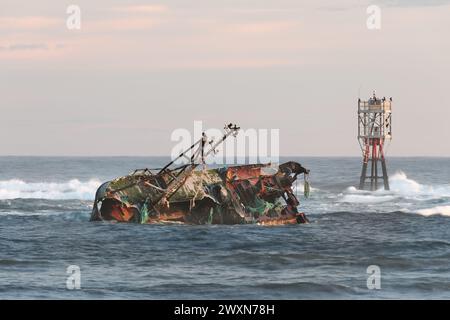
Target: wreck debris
(255,193)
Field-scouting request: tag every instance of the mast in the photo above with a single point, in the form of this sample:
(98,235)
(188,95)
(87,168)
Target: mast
(198,157)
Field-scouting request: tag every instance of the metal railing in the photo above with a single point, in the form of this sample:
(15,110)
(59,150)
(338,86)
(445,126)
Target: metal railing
(374,106)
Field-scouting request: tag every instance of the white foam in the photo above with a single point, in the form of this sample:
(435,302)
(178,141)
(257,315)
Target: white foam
(439,210)
(353,195)
(404,186)
(31,214)
(73,189)
(401,187)
(362,198)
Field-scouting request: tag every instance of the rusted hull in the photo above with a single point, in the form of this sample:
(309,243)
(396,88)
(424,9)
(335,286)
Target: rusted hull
(124,214)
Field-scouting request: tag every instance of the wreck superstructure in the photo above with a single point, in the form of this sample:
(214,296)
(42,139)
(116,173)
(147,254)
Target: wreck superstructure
(255,193)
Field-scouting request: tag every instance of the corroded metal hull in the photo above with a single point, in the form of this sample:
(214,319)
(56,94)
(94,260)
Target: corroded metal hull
(257,194)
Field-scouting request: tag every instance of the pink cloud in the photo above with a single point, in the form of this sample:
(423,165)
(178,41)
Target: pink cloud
(263,27)
(141,9)
(29,23)
(120,24)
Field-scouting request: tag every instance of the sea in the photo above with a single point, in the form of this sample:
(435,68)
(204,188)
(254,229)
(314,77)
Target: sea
(358,245)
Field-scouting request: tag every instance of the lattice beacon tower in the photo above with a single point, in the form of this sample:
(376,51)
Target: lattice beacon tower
(374,128)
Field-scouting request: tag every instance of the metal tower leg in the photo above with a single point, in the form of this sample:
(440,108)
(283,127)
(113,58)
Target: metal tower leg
(371,175)
(383,167)
(385,176)
(375,160)
(362,180)
(372,172)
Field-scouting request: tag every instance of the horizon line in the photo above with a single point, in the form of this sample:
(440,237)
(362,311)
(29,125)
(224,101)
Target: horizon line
(168,156)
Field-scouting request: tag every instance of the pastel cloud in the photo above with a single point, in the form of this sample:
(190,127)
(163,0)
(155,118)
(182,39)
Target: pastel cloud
(29,23)
(25,46)
(263,27)
(126,24)
(141,9)
(158,36)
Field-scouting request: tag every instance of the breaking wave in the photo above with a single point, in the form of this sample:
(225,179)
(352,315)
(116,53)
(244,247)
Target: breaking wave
(365,198)
(73,189)
(439,210)
(401,187)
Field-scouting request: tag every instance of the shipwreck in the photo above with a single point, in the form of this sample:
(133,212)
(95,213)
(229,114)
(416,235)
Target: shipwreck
(192,194)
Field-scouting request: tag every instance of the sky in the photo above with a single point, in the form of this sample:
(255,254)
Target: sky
(136,71)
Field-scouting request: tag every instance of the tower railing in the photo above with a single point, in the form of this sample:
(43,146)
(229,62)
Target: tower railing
(376,106)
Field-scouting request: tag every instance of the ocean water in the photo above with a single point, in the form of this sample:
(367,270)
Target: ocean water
(45,206)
